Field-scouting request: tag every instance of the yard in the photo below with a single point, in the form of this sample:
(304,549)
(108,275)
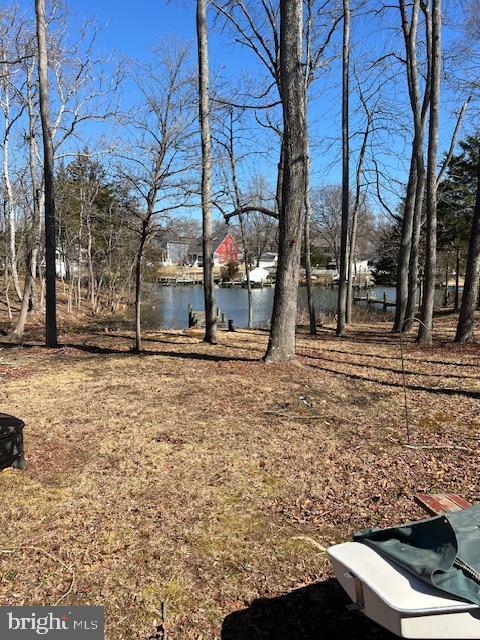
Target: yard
(193,490)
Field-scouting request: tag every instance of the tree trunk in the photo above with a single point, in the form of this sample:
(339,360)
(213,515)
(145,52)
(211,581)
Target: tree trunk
(351,263)
(280,172)
(342,284)
(306,244)
(407,276)
(425,330)
(9,200)
(466,319)
(401,296)
(281,345)
(37,193)
(353,231)
(415,245)
(138,292)
(48,170)
(308,267)
(204,116)
(456,305)
(445,298)
(91,275)
(22,316)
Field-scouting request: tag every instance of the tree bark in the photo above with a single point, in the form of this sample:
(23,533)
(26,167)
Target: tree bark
(281,345)
(138,291)
(356,207)
(425,330)
(48,171)
(37,193)
(246,260)
(22,316)
(415,245)
(308,259)
(407,279)
(342,283)
(308,203)
(401,296)
(204,116)
(466,319)
(456,305)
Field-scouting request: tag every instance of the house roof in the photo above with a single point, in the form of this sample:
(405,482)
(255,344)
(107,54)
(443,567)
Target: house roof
(196,246)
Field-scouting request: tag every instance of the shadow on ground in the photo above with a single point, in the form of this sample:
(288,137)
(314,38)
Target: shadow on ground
(315,612)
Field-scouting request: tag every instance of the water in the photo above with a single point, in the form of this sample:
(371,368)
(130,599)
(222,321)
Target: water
(167,307)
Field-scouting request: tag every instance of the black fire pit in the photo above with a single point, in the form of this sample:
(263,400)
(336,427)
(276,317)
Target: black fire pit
(11,442)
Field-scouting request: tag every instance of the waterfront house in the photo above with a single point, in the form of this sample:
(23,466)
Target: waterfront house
(224,250)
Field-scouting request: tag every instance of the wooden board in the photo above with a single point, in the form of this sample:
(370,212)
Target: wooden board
(436,503)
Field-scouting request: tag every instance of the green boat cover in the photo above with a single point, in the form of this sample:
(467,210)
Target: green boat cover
(443,551)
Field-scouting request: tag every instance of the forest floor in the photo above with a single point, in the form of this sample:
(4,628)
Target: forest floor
(192,490)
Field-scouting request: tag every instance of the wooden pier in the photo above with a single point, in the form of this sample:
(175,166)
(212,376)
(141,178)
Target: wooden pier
(197,319)
(179,281)
(184,281)
(371,300)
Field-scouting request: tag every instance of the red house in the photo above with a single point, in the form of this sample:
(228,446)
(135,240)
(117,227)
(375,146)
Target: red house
(226,251)
(223,252)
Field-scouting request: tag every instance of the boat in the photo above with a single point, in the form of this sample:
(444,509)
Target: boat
(397,600)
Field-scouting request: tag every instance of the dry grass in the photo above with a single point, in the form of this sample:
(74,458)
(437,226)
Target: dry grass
(200,479)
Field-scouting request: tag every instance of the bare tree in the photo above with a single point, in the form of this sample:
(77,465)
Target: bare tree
(204,116)
(161,126)
(281,345)
(342,284)
(466,320)
(48,172)
(413,206)
(357,204)
(308,202)
(425,330)
(256,27)
(11,33)
(226,139)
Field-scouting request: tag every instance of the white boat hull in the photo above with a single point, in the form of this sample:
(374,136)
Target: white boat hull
(398,601)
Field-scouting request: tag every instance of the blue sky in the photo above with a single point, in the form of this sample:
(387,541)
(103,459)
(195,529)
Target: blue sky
(131,29)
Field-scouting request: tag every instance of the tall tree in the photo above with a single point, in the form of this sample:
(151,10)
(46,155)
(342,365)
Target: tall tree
(48,172)
(342,284)
(357,205)
(419,105)
(425,330)
(466,318)
(256,26)
(161,129)
(204,116)
(281,345)
(413,205)
(308,201)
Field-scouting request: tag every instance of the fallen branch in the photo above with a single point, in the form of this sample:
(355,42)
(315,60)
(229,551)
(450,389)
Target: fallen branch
(310,541)
(438,446)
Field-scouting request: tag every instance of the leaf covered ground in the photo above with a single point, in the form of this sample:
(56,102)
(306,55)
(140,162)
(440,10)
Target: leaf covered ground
(192,490)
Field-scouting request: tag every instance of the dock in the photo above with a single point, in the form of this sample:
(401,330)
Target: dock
(371,300)
(179,281)
(197,319)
